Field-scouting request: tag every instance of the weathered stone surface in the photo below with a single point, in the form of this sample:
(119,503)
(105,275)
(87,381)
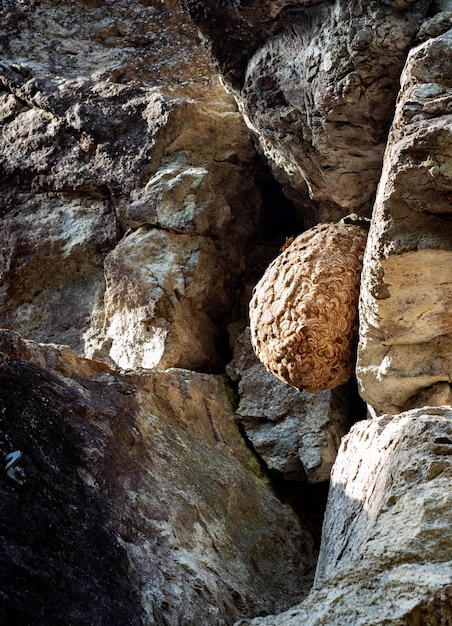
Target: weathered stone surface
(385,557)
(141,503)
(113,40)
(51,265)
(297,434)
(172,282)
(405,322)
(113,119)
(161,288)
(392,479)
(317,83)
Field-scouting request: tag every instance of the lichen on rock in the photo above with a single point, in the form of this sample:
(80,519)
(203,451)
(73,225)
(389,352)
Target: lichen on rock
(303,313)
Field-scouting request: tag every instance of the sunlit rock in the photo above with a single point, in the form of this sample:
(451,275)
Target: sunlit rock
(385,556)
(112,120)
(405,322)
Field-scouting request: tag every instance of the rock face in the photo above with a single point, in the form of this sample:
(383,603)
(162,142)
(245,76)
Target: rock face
(297,434)
(385,557)
(141,503)
(100,140)
(136,216)
(406,328)
(317,83)
(171,282)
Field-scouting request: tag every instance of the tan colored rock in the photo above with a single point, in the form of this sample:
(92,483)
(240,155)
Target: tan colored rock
(297,434)
(405,323)
(113,119)
(385,556)
(317,82)
(303,314)
(170,282)
(141,505)
(161,288)
(51,266)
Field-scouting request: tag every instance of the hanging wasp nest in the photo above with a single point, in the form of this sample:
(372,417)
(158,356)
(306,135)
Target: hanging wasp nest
(304,310)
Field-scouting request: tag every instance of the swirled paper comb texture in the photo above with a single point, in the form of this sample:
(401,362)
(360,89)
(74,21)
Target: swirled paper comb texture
(304,310)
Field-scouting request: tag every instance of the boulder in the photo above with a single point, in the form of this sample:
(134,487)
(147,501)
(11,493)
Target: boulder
(171,282)
(52,250)
(317,83)
(141,503)
(405,325)
(114,120)
(385,556)
(159,294)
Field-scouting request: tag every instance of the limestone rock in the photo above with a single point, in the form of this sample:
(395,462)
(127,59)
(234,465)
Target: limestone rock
(405,322)
(385,556)
(113,119)
(161,288)
(171,282)
(297,434)
(317,83)
(51,266)
(141,503)
(116,41)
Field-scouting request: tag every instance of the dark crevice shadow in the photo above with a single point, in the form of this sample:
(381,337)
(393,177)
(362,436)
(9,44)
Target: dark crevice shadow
(308,501)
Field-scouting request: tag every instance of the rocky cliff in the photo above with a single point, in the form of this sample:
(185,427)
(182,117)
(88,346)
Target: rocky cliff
(154,160)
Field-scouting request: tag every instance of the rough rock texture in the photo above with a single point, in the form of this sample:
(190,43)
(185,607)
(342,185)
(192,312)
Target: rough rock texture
(304,310)
(405,322)
(141,503)
(114,123)
(317,82)
(172,281)
(385,557)
(135,215)
(297,434)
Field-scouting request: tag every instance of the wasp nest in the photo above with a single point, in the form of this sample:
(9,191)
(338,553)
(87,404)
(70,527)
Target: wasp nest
(304,310)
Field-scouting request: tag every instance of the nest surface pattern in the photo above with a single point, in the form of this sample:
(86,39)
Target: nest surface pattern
(304,310)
